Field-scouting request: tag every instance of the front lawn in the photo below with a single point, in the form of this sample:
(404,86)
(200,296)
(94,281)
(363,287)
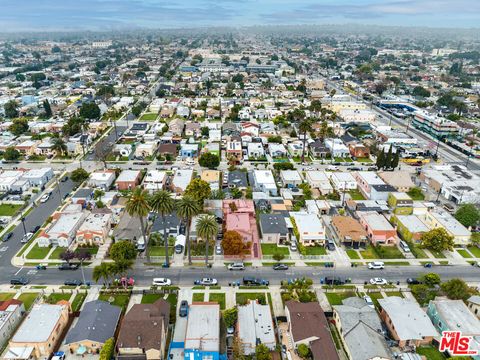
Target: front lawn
(198,297)
(356,194)
(369,253)
(375,296)
(28,299)
(242,298)
(120,300)
(364,160)
(430,352)
(160,251)
(78,301)
(337,298)
(57,252)
(149,117)
(272,249)
(9,209)
(315,250)
(475,251)
(352,254)
(394,293)
(6,296)
(38,252)
(151,298)
(464,253)
(437,254)
(219,298)
(56,297)
(381,252)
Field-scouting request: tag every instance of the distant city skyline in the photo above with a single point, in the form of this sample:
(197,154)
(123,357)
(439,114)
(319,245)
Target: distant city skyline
(54,15)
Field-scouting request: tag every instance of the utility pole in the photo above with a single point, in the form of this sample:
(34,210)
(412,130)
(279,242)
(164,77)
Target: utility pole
(23,224)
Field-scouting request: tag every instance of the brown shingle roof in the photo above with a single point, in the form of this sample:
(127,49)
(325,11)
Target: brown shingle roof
(307,320)
(142,325)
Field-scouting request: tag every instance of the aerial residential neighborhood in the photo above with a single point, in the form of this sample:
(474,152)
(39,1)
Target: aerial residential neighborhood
(187,192)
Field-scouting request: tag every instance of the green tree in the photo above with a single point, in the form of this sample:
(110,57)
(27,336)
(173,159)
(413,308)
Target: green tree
(283,166)
(74,126)
(138,205)
(396,159)
(90,110)
(11,154)
(106,353)
(47,108)
(209,160)
(275,139)
(430,279)
(102,271)
(304,127)
(11,109)
(19,127)
(187,208)
(380,160)
(303,351)
(262,352)
(457,289)
(163,204)
(198,189)
(230,316)
(120,267)
(59,146)
(420,91)
(388,158)
(468,215)
(278,256)
(207,228)
(79,175)
(437,240)
(123,250)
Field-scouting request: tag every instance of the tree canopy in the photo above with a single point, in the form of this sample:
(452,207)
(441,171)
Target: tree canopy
(468,215)
(209,160)
(437,240)
(123,250)
(90,110)
(79,175)
(198,189)
(233,244)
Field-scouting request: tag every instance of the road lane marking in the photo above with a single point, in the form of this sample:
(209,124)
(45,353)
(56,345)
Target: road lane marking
(19,270)
(3,249)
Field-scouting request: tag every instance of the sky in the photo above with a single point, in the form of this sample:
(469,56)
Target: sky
(55,15)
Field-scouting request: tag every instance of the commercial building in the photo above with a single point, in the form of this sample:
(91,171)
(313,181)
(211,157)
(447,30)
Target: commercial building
(438,127)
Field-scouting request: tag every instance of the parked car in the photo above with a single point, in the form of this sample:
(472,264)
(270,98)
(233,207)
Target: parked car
(64,179)
(26,237)
(331,245)
(369,301)
(218,250)
(59,355)
(334,280)
(280,267)
(68,266)
(183,312)
(378,281)
(206,282)
(19,281)
(161,282)
(45,198)
(354,168)
(332,168)
(8,236)
(35,229)
(413,281)
(236,266)
(376,265)
(448,207)
(74,282)
(293,246)
(427,265)
(41,267)
(251,281)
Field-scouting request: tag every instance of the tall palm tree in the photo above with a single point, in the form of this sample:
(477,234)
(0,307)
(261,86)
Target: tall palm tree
(59,146)
(207,228)
(304,127)
(138,205)
(187,208)
(162,203)
(102,271)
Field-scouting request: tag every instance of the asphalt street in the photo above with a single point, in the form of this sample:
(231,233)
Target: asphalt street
(110,140)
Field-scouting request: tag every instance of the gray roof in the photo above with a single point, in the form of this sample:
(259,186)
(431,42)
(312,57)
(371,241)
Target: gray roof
(456,316)
(273,224)
(237,178)
(474,299)
(409,320)
(42,316)
(97,322)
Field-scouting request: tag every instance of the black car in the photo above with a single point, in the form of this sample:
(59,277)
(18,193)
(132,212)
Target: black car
(65,178)
(250,281)
(354,168)
(412,281)
(331,245)
(73,282)
(35,229)
(280,267)
(183,312)
(8,236)
(19,281)
(334,280)
(67,266)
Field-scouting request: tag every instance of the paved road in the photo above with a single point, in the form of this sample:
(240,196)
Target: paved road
(185,276)
(110,140)
(37,216)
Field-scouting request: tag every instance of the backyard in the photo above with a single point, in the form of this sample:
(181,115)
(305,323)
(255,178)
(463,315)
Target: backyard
(149,117)
(356,195)
(430,352)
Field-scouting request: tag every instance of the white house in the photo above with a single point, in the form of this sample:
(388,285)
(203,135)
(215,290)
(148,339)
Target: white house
(319,180)
(101,179)
(63,230)
(310,228)
(255,150)
(39,177)
(264,181)
(154,180)
(290,178)
(343,181)
(337,148)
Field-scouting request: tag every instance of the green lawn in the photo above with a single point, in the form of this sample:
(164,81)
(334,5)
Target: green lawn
(382,252)
(437,254)
(6,296)
(464,253)
(341,159)
(28,299)
(120,300)
(356,194)
(271,249)
(198,297)
(315,250)
(352,254)
(160,251)
(431,353)
(56,297)
(475,251)
(78,301)
(417,251)
(151,298)
(38,252)
(394,293)
(364,160)
(148,117)
(242,298)
(337,298)
(369,253)
(375,296)
(57,252)
(9,209)
(397,263)
(218,297)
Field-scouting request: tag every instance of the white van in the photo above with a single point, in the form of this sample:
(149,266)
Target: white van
(404,246)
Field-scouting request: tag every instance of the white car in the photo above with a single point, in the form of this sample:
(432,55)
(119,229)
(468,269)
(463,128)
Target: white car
(206,281)
(369,301)
(332,168)
(376,265)
(45,198)
(161,282)
(236,266)
(26,237)
(378,281)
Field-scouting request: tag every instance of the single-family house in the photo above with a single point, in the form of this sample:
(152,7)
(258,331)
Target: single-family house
(181,179)
(318,149)
(101,179)
(359,150)
(308,228)
(277,150)
(63,229)
(371,186)
(234,151)
(11,315)
(145,150)
(254,327)
(95,228)
(337,148)
(212,177)
(188,151)
(263,180)
(295,149)
(202,336)
(290,178)
(255,151)
(154,180)
(400,202)
(128,179)
(409,227)
(38,177)
(343,181)
(237,179)
(274,229)
(239,216)
(348,231)
(461,235)
(379,230)
(319,180)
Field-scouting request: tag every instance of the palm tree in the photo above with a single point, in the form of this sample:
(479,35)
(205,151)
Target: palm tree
(102,271)
(187,208)
(304,127)
(137,205)
(162,203)
(207,227)
(59,146)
